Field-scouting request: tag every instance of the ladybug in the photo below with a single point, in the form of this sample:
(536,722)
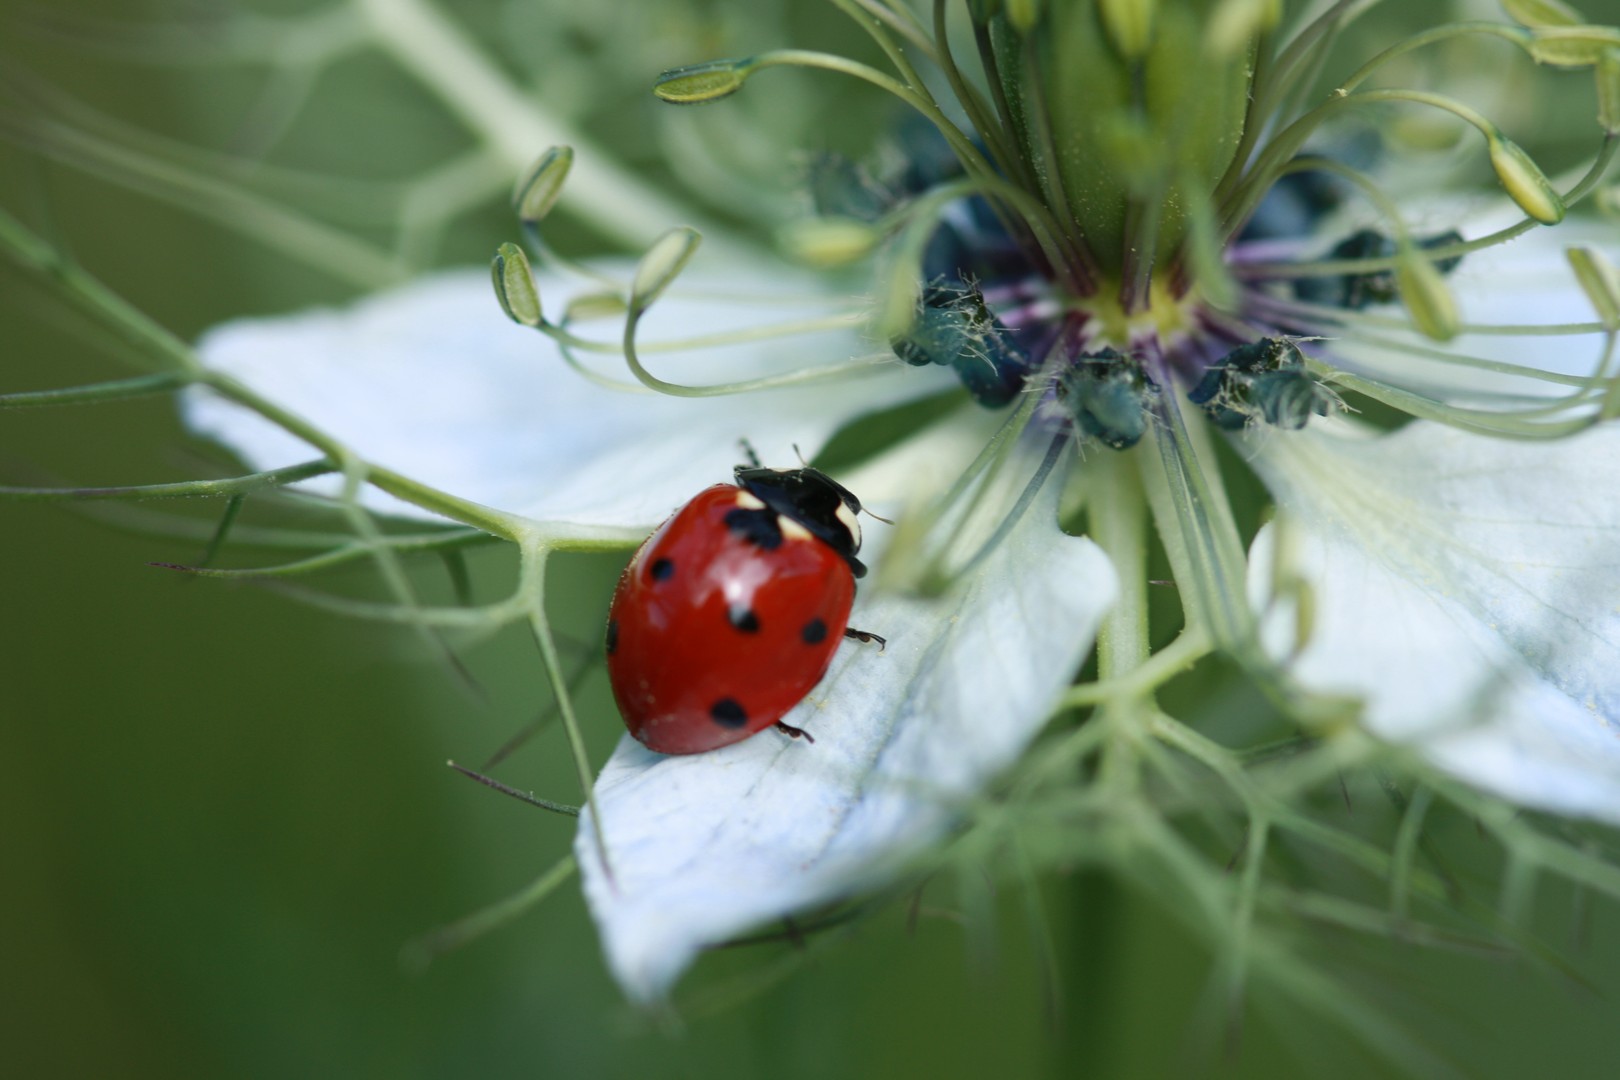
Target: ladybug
(730,613)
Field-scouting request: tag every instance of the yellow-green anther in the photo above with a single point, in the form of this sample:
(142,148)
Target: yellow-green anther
(897,311)
(1608,91)
(700,84)
(1234,23)
(595,305)
(1023,14)
(1542,13)
(1524,180)
(1601,283)
(828,242)
(537,190)
(514,285)
(661,265)
(1572,46)
(1129,24)
(1424,292)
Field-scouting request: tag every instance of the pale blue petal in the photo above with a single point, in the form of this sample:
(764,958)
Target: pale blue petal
(706,847)
(433,381)
(1468,589)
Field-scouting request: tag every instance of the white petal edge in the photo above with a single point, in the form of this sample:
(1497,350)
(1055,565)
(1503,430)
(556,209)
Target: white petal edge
(1468,589)
(431,380)
(707,846)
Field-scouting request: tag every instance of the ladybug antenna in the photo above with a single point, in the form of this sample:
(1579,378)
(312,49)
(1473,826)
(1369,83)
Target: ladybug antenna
(800,455)
(879,517)
(748,452)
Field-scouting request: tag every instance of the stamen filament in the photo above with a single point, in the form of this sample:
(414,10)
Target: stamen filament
(1008,161)
(969,154)
(1428,37)
(1440,253)
(1478,421)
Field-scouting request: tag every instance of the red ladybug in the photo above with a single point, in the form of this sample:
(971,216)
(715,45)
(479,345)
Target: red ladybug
(730,613)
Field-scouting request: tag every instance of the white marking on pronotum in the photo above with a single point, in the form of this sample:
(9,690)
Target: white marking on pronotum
(846,517)
(749,501)
(792,529)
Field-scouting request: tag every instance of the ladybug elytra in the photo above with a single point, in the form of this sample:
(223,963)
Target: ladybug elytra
(731,612)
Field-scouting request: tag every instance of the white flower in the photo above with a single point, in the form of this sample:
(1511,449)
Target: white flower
(430,380)
(1123,266)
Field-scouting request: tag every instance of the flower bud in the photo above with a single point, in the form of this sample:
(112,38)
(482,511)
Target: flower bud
(1524,181)
(700,84)
(515,288)
(1539,13)
(537,190)
(1600,282)
(1572,46)
(587,307)
(1424,292)
(661,265)
(828,242)
(1608,91)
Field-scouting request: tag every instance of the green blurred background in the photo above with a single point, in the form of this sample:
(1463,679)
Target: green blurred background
(222,813)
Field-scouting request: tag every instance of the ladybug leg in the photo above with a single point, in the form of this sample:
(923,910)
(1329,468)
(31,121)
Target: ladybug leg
(866,637)
(795,732)
(748,452)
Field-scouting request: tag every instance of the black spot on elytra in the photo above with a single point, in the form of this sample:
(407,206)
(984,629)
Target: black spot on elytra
(728,713)
(814,632)
(612,636)
(743,618)
(758,527)
(661,569)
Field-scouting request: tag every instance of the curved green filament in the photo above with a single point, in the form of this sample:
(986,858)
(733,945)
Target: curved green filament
(969,154)
(1428,37)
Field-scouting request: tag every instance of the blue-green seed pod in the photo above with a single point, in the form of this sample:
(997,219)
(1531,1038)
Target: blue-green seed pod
(955,329)
(1263,380)
(1288,399)
(1110,397)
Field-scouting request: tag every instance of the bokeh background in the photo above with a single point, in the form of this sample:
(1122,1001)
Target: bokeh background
(223,813)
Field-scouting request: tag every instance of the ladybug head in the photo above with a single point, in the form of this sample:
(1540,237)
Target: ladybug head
(813,499)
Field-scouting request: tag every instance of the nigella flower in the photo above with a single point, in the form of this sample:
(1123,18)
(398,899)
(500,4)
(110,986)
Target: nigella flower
(1141,229)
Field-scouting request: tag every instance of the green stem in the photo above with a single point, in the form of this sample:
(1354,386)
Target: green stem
(112,312)
(1118,519)
(185,489)
(533,588)
(496,522)
(418,954)
(98,393)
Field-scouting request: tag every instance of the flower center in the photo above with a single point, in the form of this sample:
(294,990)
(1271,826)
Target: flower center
(1159,315)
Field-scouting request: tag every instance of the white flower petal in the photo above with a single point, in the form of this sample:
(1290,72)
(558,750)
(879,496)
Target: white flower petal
(707,846)
(1468,589)
(431,380)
